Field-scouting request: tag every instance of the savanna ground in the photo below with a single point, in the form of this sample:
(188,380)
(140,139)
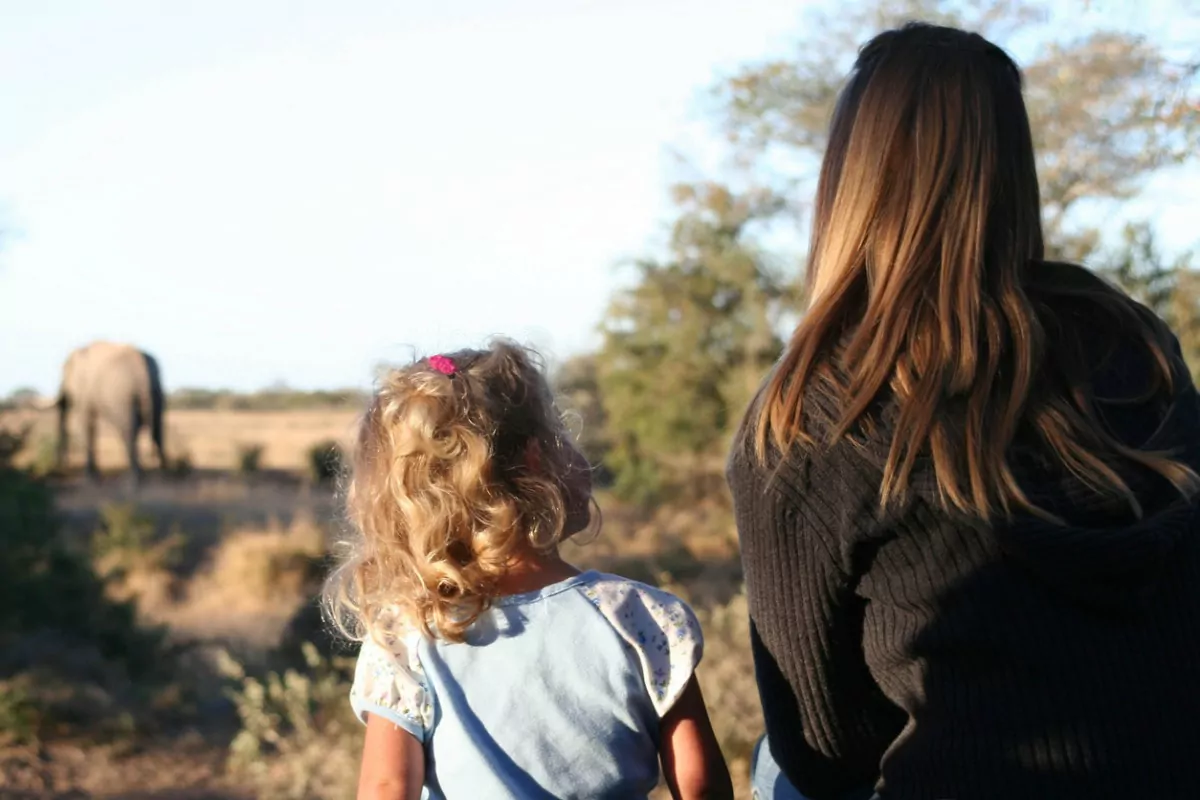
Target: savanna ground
(225,553)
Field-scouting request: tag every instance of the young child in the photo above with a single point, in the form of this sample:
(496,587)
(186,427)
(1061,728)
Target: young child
(489,666)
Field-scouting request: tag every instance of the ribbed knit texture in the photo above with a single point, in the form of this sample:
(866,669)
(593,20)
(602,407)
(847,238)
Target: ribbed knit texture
(935,657)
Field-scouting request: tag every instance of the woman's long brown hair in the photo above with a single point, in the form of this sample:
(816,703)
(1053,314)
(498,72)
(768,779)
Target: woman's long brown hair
(926,283)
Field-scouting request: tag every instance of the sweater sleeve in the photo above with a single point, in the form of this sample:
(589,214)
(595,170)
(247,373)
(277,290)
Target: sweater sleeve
(827,721)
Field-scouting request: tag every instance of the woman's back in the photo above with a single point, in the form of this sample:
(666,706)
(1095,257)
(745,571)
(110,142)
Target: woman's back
(958,658)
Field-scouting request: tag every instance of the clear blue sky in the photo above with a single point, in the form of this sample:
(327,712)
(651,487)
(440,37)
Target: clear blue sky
(280,189)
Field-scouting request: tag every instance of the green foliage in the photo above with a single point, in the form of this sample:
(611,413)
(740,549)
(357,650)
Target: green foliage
(325,461)
(24,397)
(45,456)
(1170,288)
(249,458)
(67,651)
(298,736)
(638,479)
(12,443)
(1108,108)
(122,528)
(274,399)
(18,714)
(578,388)
(45,586)
(126,542)
(686,345)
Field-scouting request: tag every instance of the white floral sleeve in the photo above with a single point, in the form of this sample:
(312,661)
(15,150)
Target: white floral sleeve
(660,628)
(390,683)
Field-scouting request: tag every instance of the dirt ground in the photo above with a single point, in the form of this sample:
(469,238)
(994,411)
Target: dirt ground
(208,440)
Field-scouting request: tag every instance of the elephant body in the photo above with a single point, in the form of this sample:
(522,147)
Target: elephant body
(116,383)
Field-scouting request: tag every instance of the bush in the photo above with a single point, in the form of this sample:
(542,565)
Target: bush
(179,466)
(66,648)
(325,461)
(726,674)
(271,564)
(299,738)
(249,458)
(638,481)
(308,627)
(18,714)
(45,456)
(127,552)
(12,443)
(277,399)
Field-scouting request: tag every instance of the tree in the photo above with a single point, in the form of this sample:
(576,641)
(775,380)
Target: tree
(1108,108)
(686,344)
(577,384)
(1170,289)
(24,397)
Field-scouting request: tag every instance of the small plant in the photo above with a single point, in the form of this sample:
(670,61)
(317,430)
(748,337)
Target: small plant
(325,461)
(125,544)
(249,458)
(272,564)
(18,714)
(298,738)
(123,528)
(12,443)
(45,457)
(179,466)
(72,658)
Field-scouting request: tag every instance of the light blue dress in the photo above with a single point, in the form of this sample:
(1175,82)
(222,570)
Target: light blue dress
(556,693)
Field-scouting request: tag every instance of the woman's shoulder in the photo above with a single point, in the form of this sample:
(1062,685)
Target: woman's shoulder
(846,468)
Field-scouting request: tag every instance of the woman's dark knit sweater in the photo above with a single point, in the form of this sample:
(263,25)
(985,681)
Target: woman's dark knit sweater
(935,657)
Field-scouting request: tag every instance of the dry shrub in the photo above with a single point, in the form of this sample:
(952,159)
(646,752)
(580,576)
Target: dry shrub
(43,456)
(249,458)
(134,562)
(73,661)
(19,712)
(726,672)
(12,442)
(179,466)
(727,677)
(325,461)
(298,738)
(254,583)
(270,564)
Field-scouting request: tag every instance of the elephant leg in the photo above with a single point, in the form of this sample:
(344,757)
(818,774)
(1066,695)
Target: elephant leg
(156,433)
(89,440)
(133,427)
(64,441)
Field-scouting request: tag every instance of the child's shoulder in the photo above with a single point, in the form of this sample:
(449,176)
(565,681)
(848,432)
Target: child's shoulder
(620,595)
(390,682)
(657,625)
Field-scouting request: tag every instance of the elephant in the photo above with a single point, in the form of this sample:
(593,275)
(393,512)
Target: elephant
(119,384)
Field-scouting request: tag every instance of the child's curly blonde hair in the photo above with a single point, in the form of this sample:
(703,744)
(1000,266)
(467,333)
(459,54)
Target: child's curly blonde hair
(462,463)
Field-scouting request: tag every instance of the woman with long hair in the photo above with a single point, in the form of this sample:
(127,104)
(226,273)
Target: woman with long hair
(966,493)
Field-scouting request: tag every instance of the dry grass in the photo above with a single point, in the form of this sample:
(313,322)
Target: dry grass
(252,585)
(209,439)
